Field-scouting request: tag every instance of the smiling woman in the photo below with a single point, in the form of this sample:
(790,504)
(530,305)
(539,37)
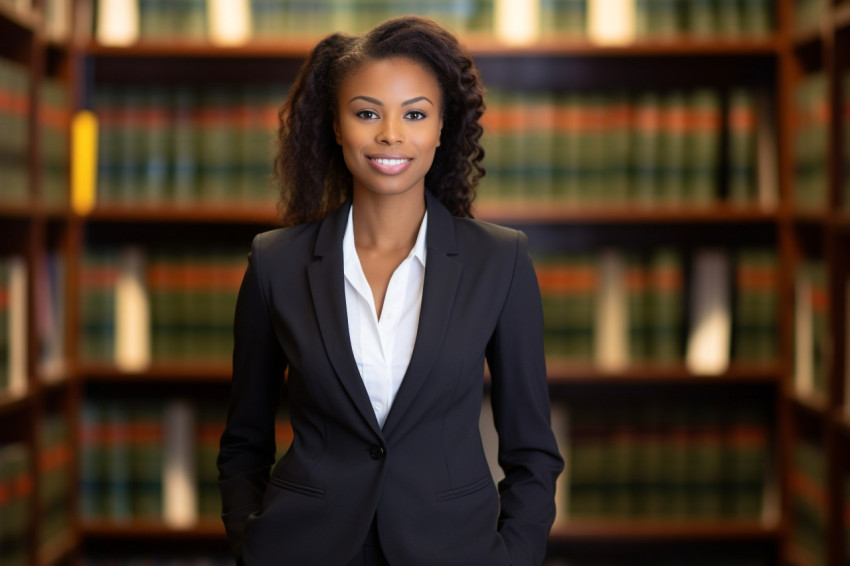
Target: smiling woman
(383,299)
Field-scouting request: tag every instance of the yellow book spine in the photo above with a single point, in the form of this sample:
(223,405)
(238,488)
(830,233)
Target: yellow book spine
(83,162)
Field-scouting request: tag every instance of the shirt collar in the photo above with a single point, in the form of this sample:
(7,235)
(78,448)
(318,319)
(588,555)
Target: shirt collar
(349,252)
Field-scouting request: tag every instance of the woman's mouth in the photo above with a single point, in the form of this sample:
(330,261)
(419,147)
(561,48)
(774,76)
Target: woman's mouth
(390,165)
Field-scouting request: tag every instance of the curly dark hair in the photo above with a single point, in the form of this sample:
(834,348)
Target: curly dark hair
(308,191)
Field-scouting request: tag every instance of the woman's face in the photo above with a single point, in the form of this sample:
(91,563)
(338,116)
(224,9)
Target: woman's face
(388,124)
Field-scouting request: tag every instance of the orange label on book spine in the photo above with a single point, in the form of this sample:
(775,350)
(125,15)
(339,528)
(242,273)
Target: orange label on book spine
(83,162)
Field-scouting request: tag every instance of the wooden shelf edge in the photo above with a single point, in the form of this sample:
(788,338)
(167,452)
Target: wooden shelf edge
(562,373)
(658,531)
(139,530)
(194,372)
(166,213)
(558,212)
(479,45)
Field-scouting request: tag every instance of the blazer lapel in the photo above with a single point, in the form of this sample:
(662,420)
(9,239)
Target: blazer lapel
(327,286)
(442,274)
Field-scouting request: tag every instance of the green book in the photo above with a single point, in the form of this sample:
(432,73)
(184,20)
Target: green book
(54,489)
(211,418)
(647,149)
(117,452)
(811,143)
(218,152)
(741,127)
(729,18)
(106,107)
(92,461)
(157,135)
(701,18)
(671,182)
(185,146)
(98,276)
(665,307)
(567,171)
(619,149)
(639,309)
(702,148)
(146,459)
(705,463)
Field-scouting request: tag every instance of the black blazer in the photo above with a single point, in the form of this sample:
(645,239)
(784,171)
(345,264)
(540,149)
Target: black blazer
(424,475)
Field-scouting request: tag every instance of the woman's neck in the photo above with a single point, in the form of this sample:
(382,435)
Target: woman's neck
(387,222)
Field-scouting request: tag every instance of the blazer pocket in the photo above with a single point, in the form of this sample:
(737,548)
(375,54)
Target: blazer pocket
(465,490)
(298,487)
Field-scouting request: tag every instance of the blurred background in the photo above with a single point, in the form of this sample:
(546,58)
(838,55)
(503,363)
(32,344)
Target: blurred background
(682,170)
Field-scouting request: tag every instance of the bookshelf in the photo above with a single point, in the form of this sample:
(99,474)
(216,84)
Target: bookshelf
(776,65)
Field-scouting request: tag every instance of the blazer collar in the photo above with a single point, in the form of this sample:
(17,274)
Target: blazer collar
(326,277)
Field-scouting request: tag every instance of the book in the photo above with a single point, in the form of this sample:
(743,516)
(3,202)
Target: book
(14,132)
(613,307)
(808,499)
(13,318)
(611,22)
(811,329)
(180,506)
(811,143)
(50,317)
(756,300)
(229,21)
(132,313)
(708,346)
(16,507)
(55,469)
(117,22)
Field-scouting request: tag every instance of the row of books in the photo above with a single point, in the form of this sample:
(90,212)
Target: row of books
(185,144)
(14,135)
(663,461)
(164,307)
(154,459)
(659,149)
(13,326)
(809,500)
(811,142)
(615,309)
(811,329)
(16,488)
(236,21)
(55,463)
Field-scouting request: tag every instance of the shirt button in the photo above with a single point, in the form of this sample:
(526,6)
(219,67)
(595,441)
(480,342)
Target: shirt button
(376,452)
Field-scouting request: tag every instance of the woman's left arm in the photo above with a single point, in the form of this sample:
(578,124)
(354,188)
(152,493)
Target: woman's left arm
(528,452)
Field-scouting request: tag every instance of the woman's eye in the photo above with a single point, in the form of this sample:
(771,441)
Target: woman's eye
(366,115)
(416,115)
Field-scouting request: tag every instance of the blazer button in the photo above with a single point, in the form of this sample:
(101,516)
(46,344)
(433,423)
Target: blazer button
(376,452)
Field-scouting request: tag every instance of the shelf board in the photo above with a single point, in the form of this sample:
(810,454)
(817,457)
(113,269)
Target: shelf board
(563,212)
(263,215)
(188,372)
(152,531)
(563,373)
(478,45)
(673,530)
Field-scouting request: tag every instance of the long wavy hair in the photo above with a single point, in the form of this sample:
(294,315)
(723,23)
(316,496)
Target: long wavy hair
(309,171)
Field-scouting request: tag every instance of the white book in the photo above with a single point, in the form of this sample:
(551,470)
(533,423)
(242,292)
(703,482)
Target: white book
(117,22)
(611,327)
(804,342)
(711,320)
(517,21)
(611,22)
(132,313)
(179,491)
(766,151)
(229,21)
(17,326)
(57,23)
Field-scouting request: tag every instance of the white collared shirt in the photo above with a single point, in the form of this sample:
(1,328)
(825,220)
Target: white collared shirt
(382,348)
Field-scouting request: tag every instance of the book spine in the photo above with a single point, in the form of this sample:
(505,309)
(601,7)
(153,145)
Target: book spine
(741,125)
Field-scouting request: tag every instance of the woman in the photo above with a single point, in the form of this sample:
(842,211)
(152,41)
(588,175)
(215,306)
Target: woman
(383,298)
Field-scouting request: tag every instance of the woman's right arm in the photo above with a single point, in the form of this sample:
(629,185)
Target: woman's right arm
(248,442)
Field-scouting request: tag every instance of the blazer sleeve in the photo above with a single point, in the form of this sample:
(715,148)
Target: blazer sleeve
(528,452)
(247,445)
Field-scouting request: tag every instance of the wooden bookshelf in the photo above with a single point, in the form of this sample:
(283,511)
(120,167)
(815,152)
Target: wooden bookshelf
(776,64)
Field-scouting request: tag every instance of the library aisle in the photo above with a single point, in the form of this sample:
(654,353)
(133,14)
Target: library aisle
(682,171)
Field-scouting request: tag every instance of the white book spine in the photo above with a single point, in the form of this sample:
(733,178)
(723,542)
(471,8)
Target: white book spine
(229,21)
(179,491)
(611,328)
(117,22)
(611,22)
(17,326)
(804,374)
(132,314)
(517,21)
(711,321)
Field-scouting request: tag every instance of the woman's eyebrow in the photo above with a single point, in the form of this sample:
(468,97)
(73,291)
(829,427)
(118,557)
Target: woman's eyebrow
(377,102)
